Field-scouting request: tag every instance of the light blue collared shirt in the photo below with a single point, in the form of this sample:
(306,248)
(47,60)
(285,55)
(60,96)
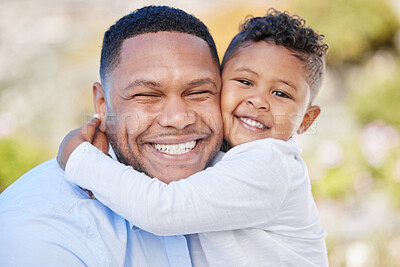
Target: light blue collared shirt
(47,221)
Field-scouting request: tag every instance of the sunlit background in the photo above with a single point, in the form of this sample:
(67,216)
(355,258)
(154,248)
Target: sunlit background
(49,59)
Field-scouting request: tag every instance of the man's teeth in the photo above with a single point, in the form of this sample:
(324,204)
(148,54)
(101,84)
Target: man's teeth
(175,149)
(253,123)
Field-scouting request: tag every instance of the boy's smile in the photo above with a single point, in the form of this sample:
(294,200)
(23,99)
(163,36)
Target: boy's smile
(265,94)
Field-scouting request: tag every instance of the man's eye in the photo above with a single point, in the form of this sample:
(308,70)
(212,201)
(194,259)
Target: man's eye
(280,94)
(145,95)
(199,95)
(199,92)
(245,82)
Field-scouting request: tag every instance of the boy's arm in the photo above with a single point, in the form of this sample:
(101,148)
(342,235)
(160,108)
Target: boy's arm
(87,133)
(245,189)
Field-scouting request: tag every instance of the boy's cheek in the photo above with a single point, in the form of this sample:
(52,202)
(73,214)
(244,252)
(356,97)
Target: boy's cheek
(286,125)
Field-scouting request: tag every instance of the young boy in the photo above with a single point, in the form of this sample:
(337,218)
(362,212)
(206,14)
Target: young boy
(253,207)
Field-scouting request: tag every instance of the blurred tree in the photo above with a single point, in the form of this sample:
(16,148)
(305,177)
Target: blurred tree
(224,22)
(379,99)
(17,156)
(352,27)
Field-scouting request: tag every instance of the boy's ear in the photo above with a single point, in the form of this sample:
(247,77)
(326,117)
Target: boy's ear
(99,99)
(308,119)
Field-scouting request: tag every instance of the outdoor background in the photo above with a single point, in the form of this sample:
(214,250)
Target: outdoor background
(49,59)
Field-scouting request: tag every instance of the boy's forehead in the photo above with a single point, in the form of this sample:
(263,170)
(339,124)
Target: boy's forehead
(267,52)
(266,61)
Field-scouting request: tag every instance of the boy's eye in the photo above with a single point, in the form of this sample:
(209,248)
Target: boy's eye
(245,82)
(280,94)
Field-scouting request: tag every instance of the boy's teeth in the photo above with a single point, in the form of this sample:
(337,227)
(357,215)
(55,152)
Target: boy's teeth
(252,123)
(175,149)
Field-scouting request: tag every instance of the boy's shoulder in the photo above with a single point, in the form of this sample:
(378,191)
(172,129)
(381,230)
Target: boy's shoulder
(267,146)
(218,157)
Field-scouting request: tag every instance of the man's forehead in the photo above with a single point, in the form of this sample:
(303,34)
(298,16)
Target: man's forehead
(142,56)
(164,40)
(155,56)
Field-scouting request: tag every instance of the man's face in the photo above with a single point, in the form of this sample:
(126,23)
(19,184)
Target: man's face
(163,114)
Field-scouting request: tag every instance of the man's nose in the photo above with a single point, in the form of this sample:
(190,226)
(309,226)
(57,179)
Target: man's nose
(177,113)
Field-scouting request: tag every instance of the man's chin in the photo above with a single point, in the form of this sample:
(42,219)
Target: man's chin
(168,180)
(170,174)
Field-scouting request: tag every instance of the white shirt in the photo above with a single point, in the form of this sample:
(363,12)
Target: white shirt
(252,208)
(47,221)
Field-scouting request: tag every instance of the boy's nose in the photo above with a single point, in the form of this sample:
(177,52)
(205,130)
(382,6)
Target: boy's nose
(258,102)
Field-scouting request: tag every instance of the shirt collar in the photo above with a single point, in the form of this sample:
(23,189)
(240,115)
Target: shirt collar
(111,153)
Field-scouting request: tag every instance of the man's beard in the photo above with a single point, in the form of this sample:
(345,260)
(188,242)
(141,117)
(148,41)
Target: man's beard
(128,160)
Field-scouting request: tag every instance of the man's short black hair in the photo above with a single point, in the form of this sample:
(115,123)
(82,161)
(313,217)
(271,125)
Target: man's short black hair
(150,19)
(288,31)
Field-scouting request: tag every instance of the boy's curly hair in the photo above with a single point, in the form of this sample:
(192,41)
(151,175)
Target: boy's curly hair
(290,32)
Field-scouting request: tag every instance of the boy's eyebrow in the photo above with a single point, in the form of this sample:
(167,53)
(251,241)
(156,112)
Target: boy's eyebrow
(288,83)
(246,70)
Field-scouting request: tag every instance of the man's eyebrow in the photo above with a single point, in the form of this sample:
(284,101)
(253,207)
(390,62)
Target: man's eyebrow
(202,81)
(141,82)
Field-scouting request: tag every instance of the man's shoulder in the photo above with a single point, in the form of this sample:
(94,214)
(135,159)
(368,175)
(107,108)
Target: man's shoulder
(42,212)
(42,186)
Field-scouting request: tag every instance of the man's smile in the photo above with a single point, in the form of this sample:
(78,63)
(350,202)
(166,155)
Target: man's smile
(175,149)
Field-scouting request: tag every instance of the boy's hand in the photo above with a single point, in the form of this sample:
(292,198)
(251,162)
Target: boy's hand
(87,133)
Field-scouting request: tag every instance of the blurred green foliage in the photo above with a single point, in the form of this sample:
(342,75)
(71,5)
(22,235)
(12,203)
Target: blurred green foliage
(17,156)
(335,183)
(356,31)
(379,99)
(338,181)
(352,27)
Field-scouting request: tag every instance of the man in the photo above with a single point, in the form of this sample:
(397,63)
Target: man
(159,88)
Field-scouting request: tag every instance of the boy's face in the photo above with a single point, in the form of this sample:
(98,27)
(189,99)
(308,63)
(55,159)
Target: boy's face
(265,94)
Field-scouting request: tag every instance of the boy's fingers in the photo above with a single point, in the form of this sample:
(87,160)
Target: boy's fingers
(100,141)
(96,116)
(68,144)
(88,131)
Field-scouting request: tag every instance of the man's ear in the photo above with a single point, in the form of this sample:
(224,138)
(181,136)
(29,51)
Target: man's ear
(308,119)
(100,105)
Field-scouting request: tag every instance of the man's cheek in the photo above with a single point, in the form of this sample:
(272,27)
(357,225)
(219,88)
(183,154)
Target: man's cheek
(110,121)
(216,126)
(131,123)
(214,121)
